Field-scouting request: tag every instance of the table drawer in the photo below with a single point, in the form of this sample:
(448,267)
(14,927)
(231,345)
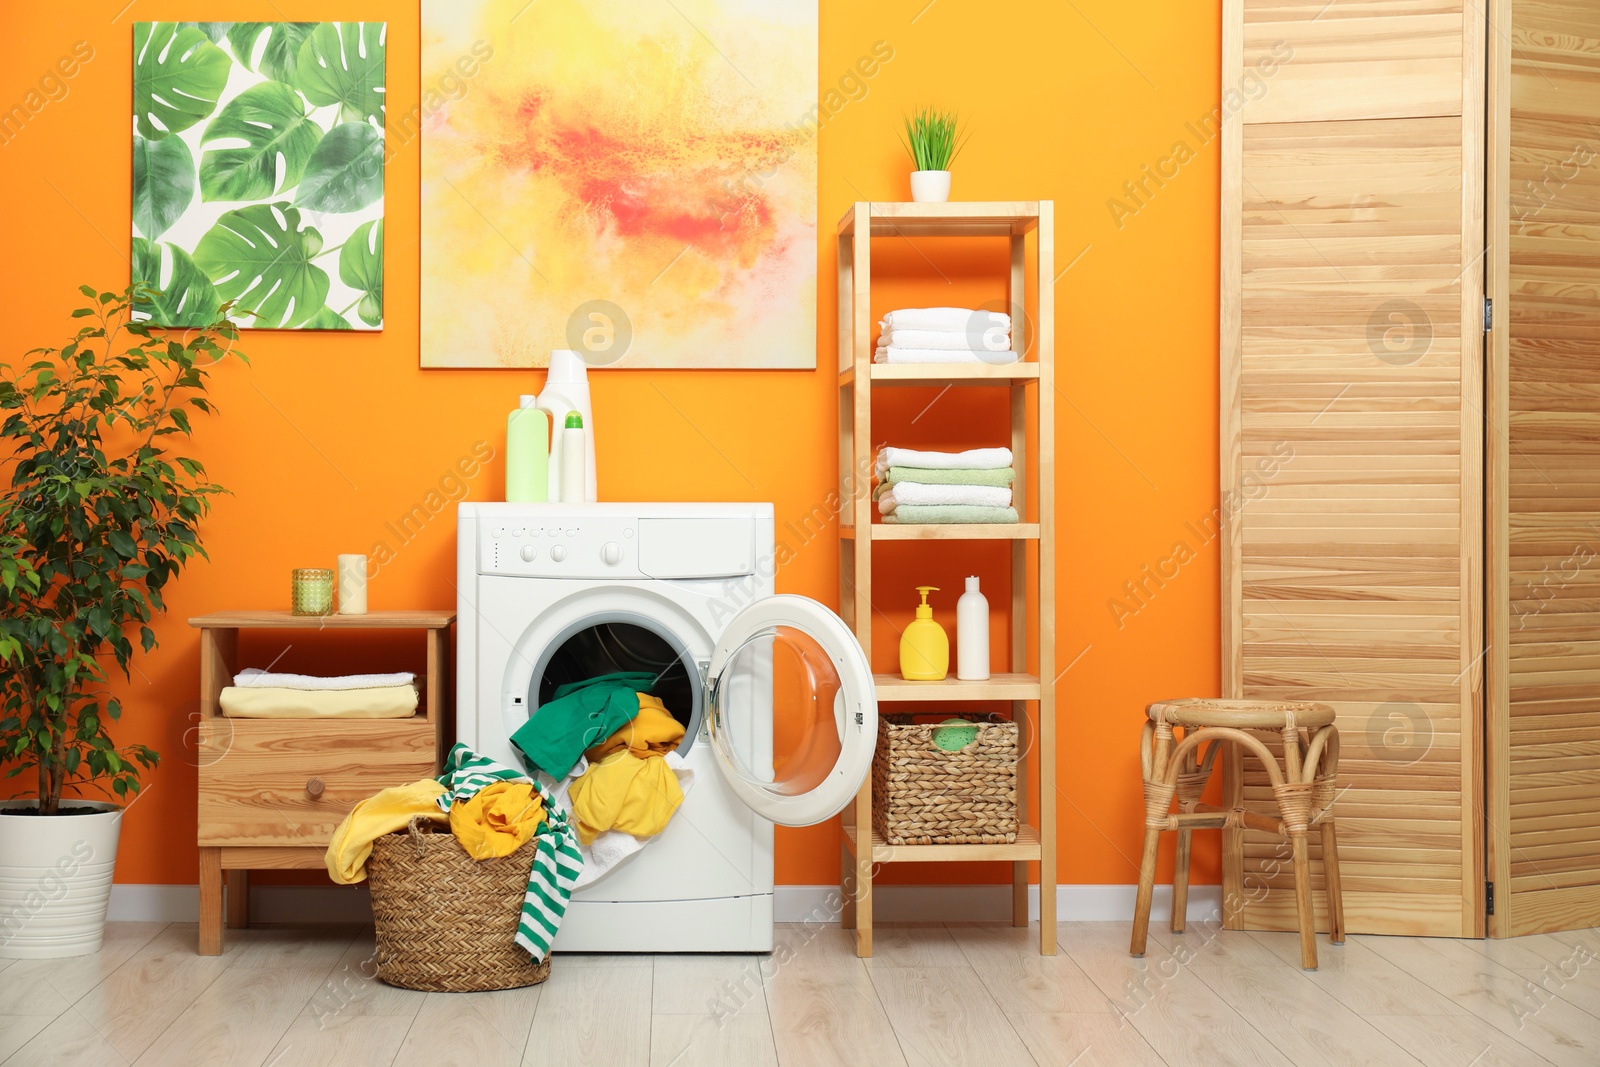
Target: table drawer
(259,778)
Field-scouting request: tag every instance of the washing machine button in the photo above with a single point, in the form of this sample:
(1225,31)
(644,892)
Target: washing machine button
(558,552)
(611,553)
(528,552)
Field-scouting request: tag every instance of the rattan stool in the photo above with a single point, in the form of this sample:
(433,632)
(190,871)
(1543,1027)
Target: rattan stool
(1304,786)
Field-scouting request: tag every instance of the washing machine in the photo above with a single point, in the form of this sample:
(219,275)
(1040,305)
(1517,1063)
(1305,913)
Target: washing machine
(774,692)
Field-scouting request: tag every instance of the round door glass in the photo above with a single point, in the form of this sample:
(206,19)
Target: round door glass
(777,711)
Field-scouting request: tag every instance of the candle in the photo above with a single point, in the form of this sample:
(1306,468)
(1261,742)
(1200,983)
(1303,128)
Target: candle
(352,584)
(312,591)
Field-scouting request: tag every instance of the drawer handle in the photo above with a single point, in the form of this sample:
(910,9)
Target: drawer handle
(314,788)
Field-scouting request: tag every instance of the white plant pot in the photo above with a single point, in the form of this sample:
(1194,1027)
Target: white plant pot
(55,879)
(930,186)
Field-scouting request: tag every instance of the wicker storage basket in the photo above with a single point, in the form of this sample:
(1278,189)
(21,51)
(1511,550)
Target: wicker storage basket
(923,795)
(446,921)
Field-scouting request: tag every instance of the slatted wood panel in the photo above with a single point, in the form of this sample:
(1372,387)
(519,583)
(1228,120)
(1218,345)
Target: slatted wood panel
(1545,839)
(1352,464)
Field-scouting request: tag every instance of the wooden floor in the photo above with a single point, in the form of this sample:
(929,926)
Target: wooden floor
(958,994)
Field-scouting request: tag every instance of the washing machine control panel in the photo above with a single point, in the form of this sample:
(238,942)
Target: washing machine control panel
(578,548)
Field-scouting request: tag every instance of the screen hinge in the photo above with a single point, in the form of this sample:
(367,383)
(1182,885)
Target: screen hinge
(1488,314)
(1488,898)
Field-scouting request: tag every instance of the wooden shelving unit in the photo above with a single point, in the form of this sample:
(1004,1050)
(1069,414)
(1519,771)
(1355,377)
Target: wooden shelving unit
(1032,388)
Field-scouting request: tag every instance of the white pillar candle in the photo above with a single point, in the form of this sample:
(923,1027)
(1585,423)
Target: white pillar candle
(352,585)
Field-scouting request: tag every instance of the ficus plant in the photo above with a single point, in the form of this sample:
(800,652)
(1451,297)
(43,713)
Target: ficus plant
(99,516)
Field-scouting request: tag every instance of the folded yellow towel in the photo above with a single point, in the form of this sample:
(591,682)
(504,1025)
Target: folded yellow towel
(654,732)
(274,702)
(382,813)
(497,820)
(624,792)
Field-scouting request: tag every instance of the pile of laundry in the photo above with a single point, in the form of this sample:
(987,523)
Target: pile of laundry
(944,335)
(258,694)
(922,487)
(602,779)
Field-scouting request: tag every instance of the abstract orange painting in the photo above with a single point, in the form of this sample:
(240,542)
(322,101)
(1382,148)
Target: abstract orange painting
(636,181)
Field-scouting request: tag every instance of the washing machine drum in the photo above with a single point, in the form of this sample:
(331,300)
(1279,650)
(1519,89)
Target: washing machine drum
(787,701)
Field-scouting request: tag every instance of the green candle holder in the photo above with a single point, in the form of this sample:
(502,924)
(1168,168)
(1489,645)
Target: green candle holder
(312,591)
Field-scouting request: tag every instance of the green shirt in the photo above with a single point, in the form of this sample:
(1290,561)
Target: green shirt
(579,716)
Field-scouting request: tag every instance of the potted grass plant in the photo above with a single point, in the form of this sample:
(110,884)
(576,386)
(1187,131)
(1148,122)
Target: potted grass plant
(98,517)
(933,139)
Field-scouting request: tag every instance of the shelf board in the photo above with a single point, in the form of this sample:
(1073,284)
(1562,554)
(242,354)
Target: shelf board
(1026,847)
(949,531)
(973,218)
(284,620)
(926,374)
(995,687)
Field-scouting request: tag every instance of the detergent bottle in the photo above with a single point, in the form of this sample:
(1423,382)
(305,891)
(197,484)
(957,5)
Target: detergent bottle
(924,647)
(566,389)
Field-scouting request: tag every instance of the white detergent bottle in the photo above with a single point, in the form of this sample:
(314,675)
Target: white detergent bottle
(972,634)
(566,388)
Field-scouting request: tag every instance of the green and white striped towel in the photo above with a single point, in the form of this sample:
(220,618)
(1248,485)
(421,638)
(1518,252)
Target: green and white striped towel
(556,861)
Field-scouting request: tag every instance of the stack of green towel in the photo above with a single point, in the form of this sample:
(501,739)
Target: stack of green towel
(929,487)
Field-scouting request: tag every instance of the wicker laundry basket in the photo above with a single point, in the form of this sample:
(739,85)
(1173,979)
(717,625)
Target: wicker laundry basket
(446,921)
(924,795)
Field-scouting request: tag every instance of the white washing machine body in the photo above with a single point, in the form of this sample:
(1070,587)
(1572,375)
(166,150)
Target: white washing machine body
(550,593)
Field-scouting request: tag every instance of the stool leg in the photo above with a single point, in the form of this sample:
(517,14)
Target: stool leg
(1330,874)
(1147,888)
(1180,883)
(1302,900)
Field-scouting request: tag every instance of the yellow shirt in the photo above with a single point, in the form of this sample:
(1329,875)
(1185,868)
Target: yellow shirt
(382,813)
(497,820)
(624,792)
(653,732)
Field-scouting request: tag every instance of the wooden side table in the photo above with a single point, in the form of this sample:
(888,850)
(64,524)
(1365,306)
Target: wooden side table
(272,791)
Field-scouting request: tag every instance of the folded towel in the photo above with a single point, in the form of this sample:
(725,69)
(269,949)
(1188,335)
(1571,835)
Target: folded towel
(912,514)
(907,494)
(255,676)
(994,339)
(942,319)
(268,702)
(971,459)
(941,355)
(929,475)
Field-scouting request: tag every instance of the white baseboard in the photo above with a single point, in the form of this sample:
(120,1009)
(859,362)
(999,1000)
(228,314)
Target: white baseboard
(791,903)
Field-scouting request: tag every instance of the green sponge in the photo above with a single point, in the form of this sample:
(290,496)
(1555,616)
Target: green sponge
(953,735)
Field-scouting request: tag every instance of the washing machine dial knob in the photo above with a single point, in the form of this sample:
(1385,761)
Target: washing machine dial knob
(611,553)
(558,552)
(528,552)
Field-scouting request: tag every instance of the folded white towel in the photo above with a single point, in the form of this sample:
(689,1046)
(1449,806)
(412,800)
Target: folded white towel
(940,319)
(256,677)
(970,460)
(993,339)
(941,355)
(988,496)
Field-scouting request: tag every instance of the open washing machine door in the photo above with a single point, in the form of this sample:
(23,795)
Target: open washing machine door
(791,708)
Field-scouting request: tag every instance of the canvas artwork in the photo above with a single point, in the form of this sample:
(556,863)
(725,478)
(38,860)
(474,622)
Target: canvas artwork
(637,182)
(258,160)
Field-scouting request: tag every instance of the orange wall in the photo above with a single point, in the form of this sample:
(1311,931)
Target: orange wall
(323,438)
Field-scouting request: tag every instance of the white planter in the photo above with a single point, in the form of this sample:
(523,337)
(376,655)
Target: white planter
(55,879)
(930,186)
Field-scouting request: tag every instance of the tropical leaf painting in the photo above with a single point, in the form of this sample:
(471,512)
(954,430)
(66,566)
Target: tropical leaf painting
(258,169)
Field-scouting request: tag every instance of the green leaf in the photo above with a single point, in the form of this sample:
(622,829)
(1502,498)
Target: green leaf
(122,543)
(279,55)
(213,30)
(178,74)
(185,298)
(327,319)
(163,183)
(342,63)
(260,258)
(361,267)
(345,172)
(271,120)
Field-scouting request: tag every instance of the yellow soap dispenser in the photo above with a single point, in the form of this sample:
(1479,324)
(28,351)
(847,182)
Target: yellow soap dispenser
(924,647)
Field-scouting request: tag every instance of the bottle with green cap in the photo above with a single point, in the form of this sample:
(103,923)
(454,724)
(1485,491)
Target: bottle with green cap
(573,447)
(924,646)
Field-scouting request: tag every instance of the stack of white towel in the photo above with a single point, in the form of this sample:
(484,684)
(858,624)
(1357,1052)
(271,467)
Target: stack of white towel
(941,487)
(944,335)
